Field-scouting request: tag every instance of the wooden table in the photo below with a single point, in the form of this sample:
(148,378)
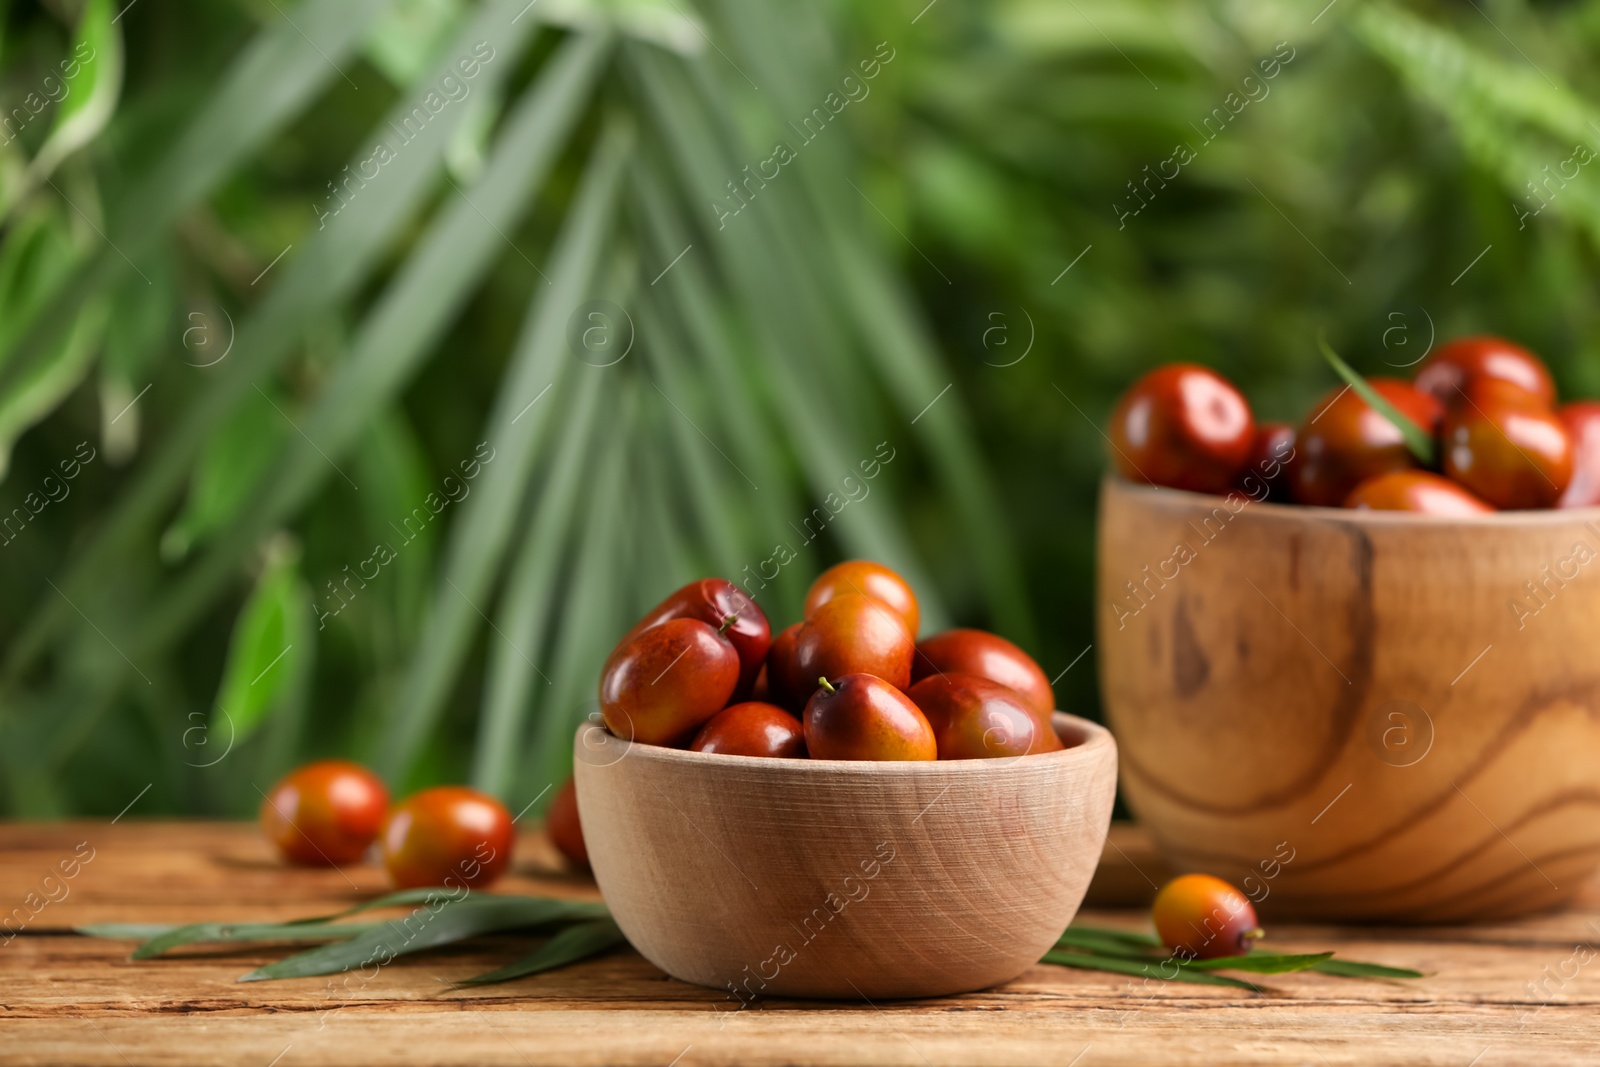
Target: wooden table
(1526,992)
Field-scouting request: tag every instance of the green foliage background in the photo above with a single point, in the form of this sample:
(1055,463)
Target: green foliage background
(269,390)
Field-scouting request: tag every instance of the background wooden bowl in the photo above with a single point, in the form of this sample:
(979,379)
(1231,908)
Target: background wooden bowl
(829,878)
(1345,712)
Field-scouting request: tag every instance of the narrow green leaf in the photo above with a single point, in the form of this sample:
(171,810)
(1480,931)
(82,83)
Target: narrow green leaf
(592,622)
(160,938)
(87,107)
(35,394)
(530,604)
(125,931)
(708,481)
(399,898)
(1417,439)
(1259,963)
(228,474)
(794,325)
(573,909)
(569,946)
(659,22)
(434,283)
(225,932)
(287,65)
(1440,64)
(338,258)
(423,929)
(1106,933)
(479,537)
(1356,969)
(1144,970)
(405,42)
(269,650)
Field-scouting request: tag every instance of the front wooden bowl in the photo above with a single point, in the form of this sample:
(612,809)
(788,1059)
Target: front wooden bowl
(830,878)
(1357,715)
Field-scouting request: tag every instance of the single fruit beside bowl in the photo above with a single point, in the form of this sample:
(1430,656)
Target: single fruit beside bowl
(325,813)
(713,601)
(561,822)
(865,578)
(1345,441)
(974,718)
(854,634)
(447,836)
(1201,917)
(1418,491)
(862,717)
(1182,426)
(661,684)
(988,656)
(752,729)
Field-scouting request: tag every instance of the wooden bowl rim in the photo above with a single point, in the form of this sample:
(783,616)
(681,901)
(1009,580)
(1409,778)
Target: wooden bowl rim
(1531,517)
(1092,737)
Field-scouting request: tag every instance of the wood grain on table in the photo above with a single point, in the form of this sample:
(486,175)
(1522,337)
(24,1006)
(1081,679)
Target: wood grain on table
(1523,992)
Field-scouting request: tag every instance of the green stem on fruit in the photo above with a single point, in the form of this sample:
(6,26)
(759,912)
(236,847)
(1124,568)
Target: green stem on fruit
(727,623)
(826,684)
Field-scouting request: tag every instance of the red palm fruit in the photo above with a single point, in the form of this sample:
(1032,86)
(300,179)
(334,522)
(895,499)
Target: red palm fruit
(1457,369)
(1344,441)
(988,656)
(861,717)
(713,601)
(1201,917)
(1582,420)
(1419,491)
(752,729)
(974,718)
(865,578)
(1510,451)
(1182,426)
(661,684)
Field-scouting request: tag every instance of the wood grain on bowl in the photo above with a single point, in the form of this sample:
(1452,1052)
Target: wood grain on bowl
(1407,708)
(847,879)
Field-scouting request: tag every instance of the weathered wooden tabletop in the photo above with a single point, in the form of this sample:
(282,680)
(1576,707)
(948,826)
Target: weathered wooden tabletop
(1525,992)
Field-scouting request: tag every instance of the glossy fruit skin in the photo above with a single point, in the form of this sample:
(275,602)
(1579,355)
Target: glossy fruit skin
(712,600)
(325,813)
(1182,426)
(660,685)
(1201,917)
(1265,476)
(752,729)
(974,718)
(1458,369)
(986,655)
(853,634)
(1419,491)
(866,718)
(1343,442)
(1582,420)
(1510,452)
(561,822)
(865,578)
(786,687)
(447,836)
